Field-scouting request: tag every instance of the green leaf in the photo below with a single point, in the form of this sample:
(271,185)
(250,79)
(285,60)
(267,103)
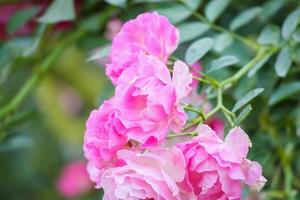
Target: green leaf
(119,3)
(15,142)
(35,44)
(247,98)
(243,114)
(290,24)
(20,18)
(198,49)
(222,41)
(59,10)
(244,18)
(222,62)
(102,52)
(296,35)
(215,8)
(284,91)
(283,62)
(149,1)
(191,30)
(258,66)
(177,12)
(270,8)
(269,35)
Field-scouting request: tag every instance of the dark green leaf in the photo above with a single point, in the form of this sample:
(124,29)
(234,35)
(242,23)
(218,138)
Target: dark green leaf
(283,62)
(215,8)
(198,49)
(243,114)
(191,30)
(20,18)
(119,3)
(247,98)
(222,62)
(222,41)
(244,18)
(270,8)
(290,24)
(269,35)
(284,91)
(59,10)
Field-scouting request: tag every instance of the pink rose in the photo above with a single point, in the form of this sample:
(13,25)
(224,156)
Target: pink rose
(149,33)
(104,136)
(155,174)
(148,99)
(74,180)
(217,168)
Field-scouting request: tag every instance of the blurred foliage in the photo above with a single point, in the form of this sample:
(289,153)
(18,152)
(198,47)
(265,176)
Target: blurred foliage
(250,49)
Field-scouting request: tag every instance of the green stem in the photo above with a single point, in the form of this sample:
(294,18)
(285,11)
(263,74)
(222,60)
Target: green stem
(191,134)
(262,53)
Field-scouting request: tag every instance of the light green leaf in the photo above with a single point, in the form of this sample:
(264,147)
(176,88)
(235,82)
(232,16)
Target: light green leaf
(258,66)
(247,98)
(283,62)
(59,10)
(244,18)
(269,35)
(296,35)
(215,8)
(20,18)
(193,4)
(150,1)
(198,49)
(243,114)
(191,30)
(35,44)
(222,62)
(285,91)
(222,41)
(290,24)
(102,52)
(177,12)
(119,3)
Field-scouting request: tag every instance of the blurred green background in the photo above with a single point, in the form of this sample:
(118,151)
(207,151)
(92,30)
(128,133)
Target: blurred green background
(48,87)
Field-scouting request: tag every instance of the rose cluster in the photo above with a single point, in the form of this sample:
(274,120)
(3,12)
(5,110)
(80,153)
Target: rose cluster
(125,140)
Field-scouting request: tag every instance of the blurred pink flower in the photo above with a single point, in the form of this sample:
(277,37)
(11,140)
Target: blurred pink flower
(74,180)
(149,33)
(104,136)
(148,99)
(9,9)
(70,101)
(112,28)
(154,174)
(217,168)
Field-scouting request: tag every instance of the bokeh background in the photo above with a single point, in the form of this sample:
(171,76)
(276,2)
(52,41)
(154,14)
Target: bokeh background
(48,86)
